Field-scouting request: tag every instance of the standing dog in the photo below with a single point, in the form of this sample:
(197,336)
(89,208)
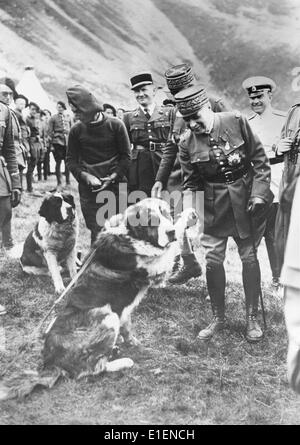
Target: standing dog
(134,251)
(53,240)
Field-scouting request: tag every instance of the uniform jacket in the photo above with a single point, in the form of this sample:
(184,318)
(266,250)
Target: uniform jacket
(287,186)
(268,127)
(178,126)
(291,128)
(141,130)
(9,174)
(59,128)
(290,278)
(18,143)
(25,131)
(231,146)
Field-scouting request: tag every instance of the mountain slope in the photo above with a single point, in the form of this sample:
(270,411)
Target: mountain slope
(101,43)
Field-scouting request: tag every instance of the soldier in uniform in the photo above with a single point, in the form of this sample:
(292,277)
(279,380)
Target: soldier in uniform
(221,155)
(148,128)
(289,147)
(10,186)
(267,123)
(169,174)
(290,278)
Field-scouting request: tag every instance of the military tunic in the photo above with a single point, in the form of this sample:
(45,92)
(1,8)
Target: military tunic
(9,174)
(169,172)
(268,127)
(290,172)
(148,138)
(231,166)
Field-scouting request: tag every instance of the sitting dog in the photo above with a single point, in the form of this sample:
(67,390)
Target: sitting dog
(134,251)
(53,240)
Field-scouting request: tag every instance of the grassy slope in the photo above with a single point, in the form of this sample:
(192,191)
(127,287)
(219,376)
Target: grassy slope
(175,380)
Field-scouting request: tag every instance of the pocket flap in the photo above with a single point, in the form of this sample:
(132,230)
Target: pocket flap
(201,156)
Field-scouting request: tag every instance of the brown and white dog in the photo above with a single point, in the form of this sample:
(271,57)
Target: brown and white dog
(133,252)
(53,240)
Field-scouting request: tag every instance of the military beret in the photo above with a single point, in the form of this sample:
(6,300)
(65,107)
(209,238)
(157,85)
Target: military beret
(191,99)
(141,79)
(255,85)
(179,77)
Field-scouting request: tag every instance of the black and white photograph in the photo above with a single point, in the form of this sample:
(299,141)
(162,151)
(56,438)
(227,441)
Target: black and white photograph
(149,215)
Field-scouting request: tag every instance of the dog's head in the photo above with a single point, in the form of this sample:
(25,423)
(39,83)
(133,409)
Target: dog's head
(149,220)
(58,207)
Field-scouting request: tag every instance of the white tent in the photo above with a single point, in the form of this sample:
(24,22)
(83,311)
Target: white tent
(30,87)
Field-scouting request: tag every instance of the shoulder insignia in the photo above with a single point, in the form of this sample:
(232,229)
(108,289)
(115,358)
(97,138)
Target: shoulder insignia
(237,114)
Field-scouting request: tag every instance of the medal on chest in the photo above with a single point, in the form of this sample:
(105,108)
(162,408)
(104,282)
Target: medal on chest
(234,159)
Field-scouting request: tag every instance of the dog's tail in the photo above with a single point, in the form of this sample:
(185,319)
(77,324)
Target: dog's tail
(15,252)
(21,385)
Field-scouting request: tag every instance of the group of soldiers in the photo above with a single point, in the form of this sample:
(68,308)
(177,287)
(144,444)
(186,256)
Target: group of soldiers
(197,144)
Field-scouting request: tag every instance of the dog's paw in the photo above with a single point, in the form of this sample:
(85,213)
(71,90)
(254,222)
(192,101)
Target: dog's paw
(189,217)
(59,289)
(119,364)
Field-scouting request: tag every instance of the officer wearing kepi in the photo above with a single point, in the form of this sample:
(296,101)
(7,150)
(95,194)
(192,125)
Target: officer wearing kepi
(220,155)
(179,77)
(267,123)
(10,185)
(148,129)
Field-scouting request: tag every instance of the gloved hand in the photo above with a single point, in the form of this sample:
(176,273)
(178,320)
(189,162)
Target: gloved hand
(255,205)
(107,181)
(284,145)
(15,197)
(157,190)
(92,181)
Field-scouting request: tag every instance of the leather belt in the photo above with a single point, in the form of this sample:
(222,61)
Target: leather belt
(153,146)
(274,161)
(156,146)
(228,177)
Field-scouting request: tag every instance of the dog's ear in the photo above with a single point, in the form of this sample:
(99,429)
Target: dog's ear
(44,209)
(69,199)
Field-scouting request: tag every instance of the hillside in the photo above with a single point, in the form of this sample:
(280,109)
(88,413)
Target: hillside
(101,43)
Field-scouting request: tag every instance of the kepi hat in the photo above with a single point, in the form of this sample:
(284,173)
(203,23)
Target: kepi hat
(179,77)
(190,100)
(141,79)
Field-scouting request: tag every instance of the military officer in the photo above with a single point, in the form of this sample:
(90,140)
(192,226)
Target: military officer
(267,123)
(290,278)
(148,129)
(10,186)
(169,174)
(221,155)
(289,147)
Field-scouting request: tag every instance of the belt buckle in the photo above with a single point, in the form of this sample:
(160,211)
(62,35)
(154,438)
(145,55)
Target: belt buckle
(152,146)
(229,177)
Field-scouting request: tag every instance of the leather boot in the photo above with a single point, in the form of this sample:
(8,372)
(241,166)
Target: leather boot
(189,269)
(215,277)
(251,281)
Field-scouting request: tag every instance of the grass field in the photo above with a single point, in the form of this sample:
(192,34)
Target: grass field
(175,380)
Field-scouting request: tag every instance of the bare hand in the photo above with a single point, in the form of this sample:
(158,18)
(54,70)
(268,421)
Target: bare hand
(157,190)
(284,145)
